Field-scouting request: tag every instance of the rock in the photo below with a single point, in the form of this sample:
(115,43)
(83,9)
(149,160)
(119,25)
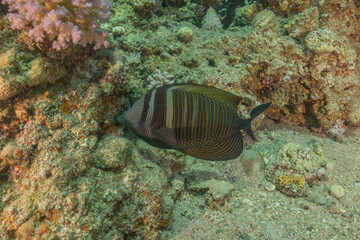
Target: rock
(220,191)
(317,198)
(336,137)
(269,187)
(337,191)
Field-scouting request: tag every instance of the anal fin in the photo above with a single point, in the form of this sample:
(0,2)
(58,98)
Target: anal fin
(226,149)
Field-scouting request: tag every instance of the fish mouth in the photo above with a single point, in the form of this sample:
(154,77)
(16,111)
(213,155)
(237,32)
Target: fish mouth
(121,119)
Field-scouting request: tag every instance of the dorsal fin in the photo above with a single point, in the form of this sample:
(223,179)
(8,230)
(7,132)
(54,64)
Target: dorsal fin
(228,98)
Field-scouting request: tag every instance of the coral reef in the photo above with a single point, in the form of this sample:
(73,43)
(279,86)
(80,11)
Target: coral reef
(67,171)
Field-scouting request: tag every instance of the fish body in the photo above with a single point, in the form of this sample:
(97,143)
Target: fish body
(197,120)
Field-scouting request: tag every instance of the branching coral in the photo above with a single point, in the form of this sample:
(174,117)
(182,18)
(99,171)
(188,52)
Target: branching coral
(61,22)
(159,79)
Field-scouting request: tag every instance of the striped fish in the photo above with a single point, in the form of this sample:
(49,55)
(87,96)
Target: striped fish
(197,120)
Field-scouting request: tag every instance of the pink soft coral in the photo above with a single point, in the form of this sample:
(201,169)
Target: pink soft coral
(61,22)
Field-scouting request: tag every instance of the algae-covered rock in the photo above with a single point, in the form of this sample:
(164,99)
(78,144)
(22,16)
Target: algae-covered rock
(72,194)
(303,23)
(26,230)
(354,116)
(7,58)
(113,152)
(185,34)
(17,74)
(324,42)
(285,7)
(42,71)
(294,166)
(211,21)
(244,15)
(265,20)
(13,154)
(210,3)
(144,7)
(321,41)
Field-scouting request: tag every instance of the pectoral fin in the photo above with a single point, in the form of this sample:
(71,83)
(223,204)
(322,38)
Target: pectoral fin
(168,134)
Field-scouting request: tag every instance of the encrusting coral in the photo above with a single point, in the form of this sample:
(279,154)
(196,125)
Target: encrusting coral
(291,185)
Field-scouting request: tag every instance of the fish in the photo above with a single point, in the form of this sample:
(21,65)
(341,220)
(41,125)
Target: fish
(198,120)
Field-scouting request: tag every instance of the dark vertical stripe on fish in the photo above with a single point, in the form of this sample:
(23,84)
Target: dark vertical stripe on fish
(190,110)
(158,115)
(145,108)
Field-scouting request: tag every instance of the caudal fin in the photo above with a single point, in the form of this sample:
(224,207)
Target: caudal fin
(253,114)
(259,109)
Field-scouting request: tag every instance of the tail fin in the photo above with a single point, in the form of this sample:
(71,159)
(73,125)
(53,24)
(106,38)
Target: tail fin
(259,109)
(253,114)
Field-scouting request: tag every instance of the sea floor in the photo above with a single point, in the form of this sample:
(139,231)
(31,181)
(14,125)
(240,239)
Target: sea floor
(252,212)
